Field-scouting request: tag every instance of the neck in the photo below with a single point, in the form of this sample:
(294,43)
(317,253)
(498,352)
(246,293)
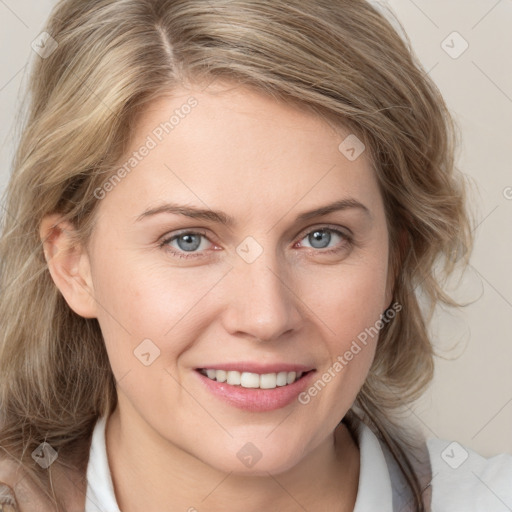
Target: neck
(171,479)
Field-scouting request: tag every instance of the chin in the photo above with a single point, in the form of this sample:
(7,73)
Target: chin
(252,459)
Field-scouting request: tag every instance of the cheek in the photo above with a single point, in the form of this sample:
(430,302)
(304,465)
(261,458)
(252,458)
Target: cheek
(141,301)
(349,303)
(349,310)
(350,299)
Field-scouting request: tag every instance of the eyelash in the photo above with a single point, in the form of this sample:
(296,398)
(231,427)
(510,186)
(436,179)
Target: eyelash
(348,240)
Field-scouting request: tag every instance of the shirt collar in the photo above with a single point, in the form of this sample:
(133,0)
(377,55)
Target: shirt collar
(374,491)
(100,495)
(374,488)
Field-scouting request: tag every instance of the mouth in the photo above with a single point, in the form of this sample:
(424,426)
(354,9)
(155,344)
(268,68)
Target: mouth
(251,380)
(259,390)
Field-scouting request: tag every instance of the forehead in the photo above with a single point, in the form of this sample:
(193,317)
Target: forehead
(234,146)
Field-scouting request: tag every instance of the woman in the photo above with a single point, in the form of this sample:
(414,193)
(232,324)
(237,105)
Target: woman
(305,158)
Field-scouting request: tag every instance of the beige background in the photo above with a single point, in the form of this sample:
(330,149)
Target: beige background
(471,397)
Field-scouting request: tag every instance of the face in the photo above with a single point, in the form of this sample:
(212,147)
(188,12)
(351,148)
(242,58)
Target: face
(270,292)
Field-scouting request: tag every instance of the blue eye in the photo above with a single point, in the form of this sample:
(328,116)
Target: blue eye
(189,242)
(319,237)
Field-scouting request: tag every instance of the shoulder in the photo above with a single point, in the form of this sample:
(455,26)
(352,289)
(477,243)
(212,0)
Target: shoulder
(462,479)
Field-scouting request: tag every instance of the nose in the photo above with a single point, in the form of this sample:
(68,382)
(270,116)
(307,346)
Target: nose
(261,300)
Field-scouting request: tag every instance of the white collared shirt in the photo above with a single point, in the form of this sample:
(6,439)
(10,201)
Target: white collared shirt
(462,480)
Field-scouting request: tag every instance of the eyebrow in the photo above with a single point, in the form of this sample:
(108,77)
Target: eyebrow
(226,220)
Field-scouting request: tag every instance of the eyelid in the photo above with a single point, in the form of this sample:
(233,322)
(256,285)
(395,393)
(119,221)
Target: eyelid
(321,227)
(172,235)
(306,231)
(166,239)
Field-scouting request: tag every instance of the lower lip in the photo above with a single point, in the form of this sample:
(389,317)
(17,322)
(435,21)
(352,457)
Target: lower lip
(254,399)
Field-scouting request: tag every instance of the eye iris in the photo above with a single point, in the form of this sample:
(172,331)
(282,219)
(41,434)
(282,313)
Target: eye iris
(318,235)
(189,238)
(191,241)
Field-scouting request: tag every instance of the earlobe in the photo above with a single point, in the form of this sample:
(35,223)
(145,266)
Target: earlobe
(69,265)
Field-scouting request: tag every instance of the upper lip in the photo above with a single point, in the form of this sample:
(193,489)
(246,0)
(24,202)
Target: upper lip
(251,367)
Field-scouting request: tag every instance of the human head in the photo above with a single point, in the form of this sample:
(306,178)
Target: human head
(116,57)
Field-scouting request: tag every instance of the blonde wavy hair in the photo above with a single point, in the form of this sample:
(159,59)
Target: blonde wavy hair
(341,59)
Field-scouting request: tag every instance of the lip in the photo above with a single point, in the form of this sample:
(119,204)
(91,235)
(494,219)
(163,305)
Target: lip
(256,400)
(252,367)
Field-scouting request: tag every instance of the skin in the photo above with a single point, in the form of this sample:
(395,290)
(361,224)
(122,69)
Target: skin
(171,444)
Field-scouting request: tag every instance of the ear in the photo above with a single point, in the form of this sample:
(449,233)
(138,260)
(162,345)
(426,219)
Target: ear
(69,265)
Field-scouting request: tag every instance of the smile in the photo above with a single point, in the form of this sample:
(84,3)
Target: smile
(252,380)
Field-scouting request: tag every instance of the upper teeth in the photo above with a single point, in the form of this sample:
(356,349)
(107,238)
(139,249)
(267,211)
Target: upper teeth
(253,380)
